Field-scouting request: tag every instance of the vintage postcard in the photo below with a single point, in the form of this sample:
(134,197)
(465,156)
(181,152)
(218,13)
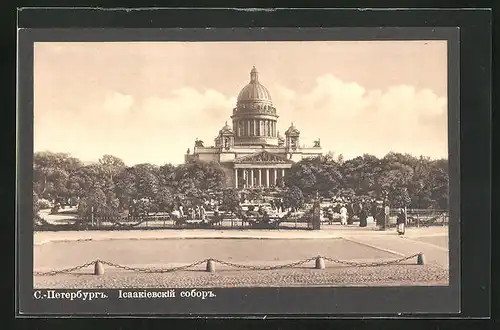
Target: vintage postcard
(189,169)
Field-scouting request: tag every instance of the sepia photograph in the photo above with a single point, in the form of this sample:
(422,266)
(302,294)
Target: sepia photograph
(240,164)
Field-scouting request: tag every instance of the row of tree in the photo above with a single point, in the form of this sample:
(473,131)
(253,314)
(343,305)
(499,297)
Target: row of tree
(400,179)
(111,187)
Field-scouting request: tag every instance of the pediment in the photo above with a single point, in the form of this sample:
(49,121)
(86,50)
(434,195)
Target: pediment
(263,157)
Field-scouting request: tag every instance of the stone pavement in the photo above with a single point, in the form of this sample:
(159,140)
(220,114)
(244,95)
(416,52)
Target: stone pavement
(393,275)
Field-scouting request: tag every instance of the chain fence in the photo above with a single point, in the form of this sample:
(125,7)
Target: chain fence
(226,263)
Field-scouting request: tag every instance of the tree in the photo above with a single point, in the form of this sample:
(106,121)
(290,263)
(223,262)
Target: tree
(164,200)
(146,180)
(320,175)
(86,178)
(361,173)
(255,194)
(125,188)
(294,198)
(399,197)
(440,184)
(167,176)
(111,166)
(94,202)
(36,208)
(231,200)
(51,172)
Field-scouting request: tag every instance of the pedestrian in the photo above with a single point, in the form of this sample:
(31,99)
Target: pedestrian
(181,211)
(363,214)
(343,215)
(387,211)
(350,213)
(202,213)
(401,221)
(380,218)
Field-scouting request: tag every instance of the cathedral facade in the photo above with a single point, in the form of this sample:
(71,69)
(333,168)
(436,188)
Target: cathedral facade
(251,151)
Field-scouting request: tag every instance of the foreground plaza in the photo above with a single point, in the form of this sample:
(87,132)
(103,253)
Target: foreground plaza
(146,250)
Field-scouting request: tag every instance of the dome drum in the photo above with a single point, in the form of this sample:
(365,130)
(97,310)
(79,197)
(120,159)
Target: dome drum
(253,115)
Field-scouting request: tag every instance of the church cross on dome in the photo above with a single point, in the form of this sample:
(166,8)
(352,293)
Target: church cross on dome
(254,75)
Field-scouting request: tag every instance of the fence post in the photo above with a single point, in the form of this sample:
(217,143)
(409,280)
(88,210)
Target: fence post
(418,219)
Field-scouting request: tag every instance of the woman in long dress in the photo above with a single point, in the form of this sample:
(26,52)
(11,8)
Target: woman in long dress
(343,215)
(363,215)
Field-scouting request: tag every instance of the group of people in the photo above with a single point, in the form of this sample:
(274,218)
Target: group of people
(380,212)
(197,212)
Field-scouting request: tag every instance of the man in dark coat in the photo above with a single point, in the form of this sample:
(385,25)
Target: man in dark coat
(401,221)
(380,217)
(363,214)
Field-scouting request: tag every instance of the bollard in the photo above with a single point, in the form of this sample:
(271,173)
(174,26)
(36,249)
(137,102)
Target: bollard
(420,259)
(210,266)
(320,263)
(98,268)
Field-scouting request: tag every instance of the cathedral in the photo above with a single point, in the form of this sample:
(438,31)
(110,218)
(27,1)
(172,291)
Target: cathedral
(252,152)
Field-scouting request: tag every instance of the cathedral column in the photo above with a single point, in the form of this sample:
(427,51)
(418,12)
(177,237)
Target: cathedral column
(267,178)
(248,128)
(254,127)
(260,177)
(283,173)
(275,176)
(251,177)
(236,178)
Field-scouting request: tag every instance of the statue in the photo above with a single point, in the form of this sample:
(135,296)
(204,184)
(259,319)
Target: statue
(317,144)
(226,143)
(188,151)
(198,143)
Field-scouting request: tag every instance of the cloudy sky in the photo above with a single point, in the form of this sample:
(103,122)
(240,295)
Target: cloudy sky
(148,102)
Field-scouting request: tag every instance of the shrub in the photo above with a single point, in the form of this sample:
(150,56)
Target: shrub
(43,204)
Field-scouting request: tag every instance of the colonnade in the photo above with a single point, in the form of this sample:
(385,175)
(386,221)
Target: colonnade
(257,177)
(256,127)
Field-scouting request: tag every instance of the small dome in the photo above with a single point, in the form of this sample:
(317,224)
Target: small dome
(254,91)
(226,129)
(292,130)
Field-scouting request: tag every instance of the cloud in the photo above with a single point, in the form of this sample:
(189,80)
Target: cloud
(117,103)
(188,106)
(352,120)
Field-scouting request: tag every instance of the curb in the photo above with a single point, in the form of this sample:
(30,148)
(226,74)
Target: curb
(177,238)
